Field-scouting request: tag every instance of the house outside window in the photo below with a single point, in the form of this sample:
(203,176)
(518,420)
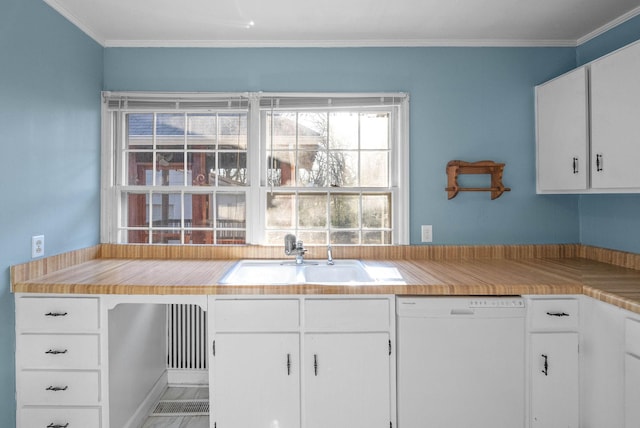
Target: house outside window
(251,167)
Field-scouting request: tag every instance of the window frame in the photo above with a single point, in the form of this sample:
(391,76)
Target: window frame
(256,189)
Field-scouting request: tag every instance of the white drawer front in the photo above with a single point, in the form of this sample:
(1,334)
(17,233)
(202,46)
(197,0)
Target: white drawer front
(58,388)
(256,315)
(58,351)
(38,417)
(554,314)
(56,314)
(632,336)
(347,314)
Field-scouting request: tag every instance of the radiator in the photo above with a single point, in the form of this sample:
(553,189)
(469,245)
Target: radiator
(187,337)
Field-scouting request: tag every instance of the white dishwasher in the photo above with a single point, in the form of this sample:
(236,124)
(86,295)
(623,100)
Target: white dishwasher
(461,362)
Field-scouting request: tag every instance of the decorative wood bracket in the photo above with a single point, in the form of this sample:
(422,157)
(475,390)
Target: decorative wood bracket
(456,167)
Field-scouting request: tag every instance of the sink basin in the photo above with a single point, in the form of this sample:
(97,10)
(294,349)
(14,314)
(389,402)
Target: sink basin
(274,272)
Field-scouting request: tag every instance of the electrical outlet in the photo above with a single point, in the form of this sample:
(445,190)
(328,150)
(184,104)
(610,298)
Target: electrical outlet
(37,246)
(427,233)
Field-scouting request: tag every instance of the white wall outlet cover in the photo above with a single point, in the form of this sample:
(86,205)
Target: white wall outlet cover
(37,246)
(427,233)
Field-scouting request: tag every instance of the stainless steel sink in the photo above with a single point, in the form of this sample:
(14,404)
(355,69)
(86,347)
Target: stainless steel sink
(275,272)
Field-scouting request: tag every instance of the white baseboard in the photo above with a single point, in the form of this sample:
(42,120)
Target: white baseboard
(189,377)
(141,413)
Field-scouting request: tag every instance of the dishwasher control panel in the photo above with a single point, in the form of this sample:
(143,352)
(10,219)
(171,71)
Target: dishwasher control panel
(496,303)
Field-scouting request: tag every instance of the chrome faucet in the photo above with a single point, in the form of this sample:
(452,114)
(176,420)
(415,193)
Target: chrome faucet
(292,245)
(329,255)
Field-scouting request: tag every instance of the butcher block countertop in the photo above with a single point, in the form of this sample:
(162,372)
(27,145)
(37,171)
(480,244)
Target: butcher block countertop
(504,270)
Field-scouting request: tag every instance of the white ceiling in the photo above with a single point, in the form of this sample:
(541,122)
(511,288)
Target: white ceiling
(232,23)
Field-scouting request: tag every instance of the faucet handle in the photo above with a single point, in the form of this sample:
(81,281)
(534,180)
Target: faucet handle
(289,243)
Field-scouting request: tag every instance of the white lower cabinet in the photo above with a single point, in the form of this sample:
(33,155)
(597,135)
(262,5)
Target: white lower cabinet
(347,380)
(632,391)
(58,364)
(554,380)
(344,377)
(554,361)
(632,373)
(257,380)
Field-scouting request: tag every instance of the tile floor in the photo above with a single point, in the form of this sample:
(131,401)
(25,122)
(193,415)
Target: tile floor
(180,393)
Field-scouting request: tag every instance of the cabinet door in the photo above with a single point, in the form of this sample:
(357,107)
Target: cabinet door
(256,380)
(562,133)
(347,380)
(615,109)
(632,391)
(554,380)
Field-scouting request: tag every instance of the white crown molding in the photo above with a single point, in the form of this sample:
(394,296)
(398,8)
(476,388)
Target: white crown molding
(75,21)
(55,4)
(337,43)
(608,26)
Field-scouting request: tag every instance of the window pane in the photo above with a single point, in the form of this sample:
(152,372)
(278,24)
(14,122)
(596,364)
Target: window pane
(375,170)
(280,212)
(140,165)
(170,131)
(343,131)
(312,131)
(139,130)
(376,211)
(374,131)
(312,210)
(198,210)
(169,169)
(201,131)
(198,237)
(281,131)
(231,215)
(166,218)
(233,131)
(345,237)
(281,168)
(380,237)
(312,238)
(233,169)
(343,169)
(137,210)
(202,168)
(345,212)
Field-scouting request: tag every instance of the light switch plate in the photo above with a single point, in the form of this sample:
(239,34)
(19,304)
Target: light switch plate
(427,233)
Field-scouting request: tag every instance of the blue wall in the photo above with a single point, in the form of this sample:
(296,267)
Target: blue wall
(610,221)
(50,81)
(466,103)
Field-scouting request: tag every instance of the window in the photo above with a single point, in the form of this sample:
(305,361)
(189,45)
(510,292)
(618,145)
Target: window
(251,167)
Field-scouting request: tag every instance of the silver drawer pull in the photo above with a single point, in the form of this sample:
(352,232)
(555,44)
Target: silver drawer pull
(52,425)
(557,314)
(55,352)
(57,388)
(56,314)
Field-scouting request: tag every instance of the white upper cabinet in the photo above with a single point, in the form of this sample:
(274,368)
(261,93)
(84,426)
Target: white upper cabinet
(588,138)
(615,114)
(563,133)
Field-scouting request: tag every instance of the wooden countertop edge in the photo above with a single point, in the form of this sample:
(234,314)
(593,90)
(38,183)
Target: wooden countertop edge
(607,275)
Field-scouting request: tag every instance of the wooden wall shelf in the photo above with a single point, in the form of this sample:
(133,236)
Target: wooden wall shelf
(457,167)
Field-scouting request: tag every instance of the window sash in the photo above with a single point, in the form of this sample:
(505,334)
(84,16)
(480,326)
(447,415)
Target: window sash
(117,104)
